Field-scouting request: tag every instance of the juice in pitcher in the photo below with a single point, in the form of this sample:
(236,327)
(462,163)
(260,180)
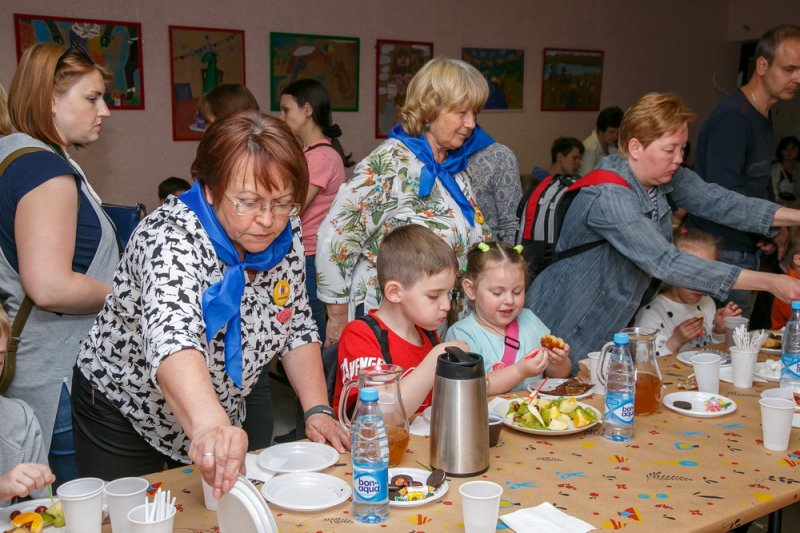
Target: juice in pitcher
(648,393)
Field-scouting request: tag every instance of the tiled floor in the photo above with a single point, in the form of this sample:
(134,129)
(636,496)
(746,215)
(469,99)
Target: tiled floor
(284,409)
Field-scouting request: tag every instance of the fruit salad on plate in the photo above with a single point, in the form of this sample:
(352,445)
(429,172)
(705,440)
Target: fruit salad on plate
(556,415)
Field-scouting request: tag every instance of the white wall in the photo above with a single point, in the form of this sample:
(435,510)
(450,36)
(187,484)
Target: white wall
(649,45)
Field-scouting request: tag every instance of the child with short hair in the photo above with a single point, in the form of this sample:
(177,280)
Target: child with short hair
(172,186)
(23,465)
(501,328)
(416,273)
(791,264)
(687,319)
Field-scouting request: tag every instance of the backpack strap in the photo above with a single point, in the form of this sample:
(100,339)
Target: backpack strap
(533,200)
(27,304)
(383,336)
(10,367)
(511,343)
(595,177)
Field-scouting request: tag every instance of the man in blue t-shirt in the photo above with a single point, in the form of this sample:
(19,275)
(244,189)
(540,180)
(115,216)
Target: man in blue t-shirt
(735,147)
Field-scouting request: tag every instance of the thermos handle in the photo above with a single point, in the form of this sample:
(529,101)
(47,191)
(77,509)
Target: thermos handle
(601,376)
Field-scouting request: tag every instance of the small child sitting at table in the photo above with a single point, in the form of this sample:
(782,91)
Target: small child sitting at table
(791,264)
(687,319)
(23,468)
(500,328)
(416,273)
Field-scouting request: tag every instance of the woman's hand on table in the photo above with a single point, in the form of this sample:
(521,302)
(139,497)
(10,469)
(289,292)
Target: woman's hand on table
(323,428)
(219,452)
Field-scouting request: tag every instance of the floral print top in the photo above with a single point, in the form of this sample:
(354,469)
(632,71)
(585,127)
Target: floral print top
(383,195)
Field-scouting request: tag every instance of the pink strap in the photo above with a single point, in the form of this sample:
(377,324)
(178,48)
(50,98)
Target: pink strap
(511,343)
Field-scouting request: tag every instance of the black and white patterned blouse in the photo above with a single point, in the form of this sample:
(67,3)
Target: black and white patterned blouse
(155,310)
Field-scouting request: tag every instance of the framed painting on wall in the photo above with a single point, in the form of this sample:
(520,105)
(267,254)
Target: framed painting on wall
(571,80)
(396,64)
(113,44)
(504,70)
(332,61)
(200,59)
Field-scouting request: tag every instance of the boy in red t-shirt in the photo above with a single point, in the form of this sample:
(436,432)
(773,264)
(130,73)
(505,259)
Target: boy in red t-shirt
(416,273)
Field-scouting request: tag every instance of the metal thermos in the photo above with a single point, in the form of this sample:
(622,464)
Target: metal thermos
(460,415)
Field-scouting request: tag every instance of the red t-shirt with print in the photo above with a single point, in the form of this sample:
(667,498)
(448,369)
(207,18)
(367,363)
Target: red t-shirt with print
(358,348)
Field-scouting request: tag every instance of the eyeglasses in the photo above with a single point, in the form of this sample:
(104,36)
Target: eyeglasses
(248,208)
(74,48)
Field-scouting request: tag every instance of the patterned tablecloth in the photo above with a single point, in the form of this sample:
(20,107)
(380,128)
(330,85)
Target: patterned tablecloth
(679,473)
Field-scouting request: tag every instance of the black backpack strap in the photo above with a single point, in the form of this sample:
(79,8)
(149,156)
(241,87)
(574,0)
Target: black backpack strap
(383,336)
(380,334)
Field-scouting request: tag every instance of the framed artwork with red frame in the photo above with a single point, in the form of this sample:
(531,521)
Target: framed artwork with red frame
(396,64)
(115,45)
(571,79)
(200,60)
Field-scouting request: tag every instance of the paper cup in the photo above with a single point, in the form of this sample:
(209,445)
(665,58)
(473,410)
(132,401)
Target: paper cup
(744,364)
(139,524)
(593,358)
(480,503)
(731,323)
(706,371)
(776,422)
(122,495)
(495,423)
(208,496)
(82,502)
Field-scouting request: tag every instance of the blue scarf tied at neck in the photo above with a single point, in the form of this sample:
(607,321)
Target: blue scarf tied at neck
(456,162)
(222,301)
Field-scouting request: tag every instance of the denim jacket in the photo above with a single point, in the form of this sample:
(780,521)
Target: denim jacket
(587,297)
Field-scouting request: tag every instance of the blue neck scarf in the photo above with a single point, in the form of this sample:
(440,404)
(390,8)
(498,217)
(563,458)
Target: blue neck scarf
(222,301)
(456,162)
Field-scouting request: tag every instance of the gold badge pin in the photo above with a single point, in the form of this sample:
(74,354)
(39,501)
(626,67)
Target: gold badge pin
(281,293)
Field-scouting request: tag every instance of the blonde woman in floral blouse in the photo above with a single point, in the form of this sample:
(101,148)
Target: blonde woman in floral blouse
(416,176)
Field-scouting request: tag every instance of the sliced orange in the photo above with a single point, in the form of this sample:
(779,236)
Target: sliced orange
(32,520)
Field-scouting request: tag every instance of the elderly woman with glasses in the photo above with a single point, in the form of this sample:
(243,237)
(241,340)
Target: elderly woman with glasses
(58,250)
(209,290)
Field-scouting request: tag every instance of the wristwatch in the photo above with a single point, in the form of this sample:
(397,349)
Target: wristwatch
(319,409)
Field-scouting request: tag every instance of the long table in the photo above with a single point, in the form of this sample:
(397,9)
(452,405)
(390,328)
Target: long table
(679,473)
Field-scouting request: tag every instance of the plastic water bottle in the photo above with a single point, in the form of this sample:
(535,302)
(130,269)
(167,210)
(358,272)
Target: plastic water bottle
(620,391)
(790,353)
(370,452)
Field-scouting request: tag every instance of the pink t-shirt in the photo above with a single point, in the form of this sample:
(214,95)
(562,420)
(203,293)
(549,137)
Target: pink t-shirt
(326,171)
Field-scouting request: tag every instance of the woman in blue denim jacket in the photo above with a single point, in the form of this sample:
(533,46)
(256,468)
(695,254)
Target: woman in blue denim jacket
(589,296)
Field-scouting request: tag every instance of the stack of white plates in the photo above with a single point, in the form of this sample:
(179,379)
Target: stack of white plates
(243,509)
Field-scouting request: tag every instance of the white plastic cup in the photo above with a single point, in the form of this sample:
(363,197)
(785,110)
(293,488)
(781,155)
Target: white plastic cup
(122,495)
(776,422)
(598,387)
(139,524)
(744,364)
(480,503)
(706,371)
(82,502)
(208,496)
(731,323)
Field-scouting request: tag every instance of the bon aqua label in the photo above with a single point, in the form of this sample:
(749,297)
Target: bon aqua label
(371,486)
